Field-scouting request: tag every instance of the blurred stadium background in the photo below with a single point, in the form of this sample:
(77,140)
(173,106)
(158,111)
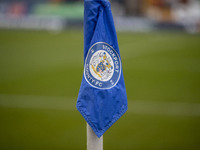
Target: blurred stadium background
(41,62)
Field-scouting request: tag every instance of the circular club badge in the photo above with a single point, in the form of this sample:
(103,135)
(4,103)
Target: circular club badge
(102,66)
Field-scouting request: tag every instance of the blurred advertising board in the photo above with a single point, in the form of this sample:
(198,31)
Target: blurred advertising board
(50,16)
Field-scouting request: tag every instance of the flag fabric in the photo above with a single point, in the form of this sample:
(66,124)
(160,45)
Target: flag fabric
(102,98)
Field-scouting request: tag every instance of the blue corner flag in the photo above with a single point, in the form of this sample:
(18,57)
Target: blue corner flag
(102,97)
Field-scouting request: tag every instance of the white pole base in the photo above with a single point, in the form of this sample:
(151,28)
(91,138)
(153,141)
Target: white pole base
(93,142)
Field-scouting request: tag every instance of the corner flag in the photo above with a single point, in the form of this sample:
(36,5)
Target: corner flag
(102,97)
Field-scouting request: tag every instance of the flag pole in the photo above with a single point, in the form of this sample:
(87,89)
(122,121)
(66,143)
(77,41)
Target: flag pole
(93,142)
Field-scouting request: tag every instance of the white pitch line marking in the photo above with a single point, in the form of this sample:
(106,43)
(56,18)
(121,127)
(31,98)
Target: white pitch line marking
(69,104)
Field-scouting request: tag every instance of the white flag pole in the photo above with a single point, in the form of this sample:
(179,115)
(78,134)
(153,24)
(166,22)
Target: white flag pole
(93,142)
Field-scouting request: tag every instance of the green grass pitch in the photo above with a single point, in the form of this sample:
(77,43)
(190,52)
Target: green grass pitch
(40,76)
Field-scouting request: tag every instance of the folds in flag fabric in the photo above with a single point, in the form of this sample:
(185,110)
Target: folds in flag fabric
(102,97)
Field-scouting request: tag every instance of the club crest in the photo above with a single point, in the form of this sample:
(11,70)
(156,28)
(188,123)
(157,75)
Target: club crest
(102,66)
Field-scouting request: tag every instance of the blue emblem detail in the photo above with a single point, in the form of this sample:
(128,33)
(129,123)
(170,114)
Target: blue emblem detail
(102,66)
